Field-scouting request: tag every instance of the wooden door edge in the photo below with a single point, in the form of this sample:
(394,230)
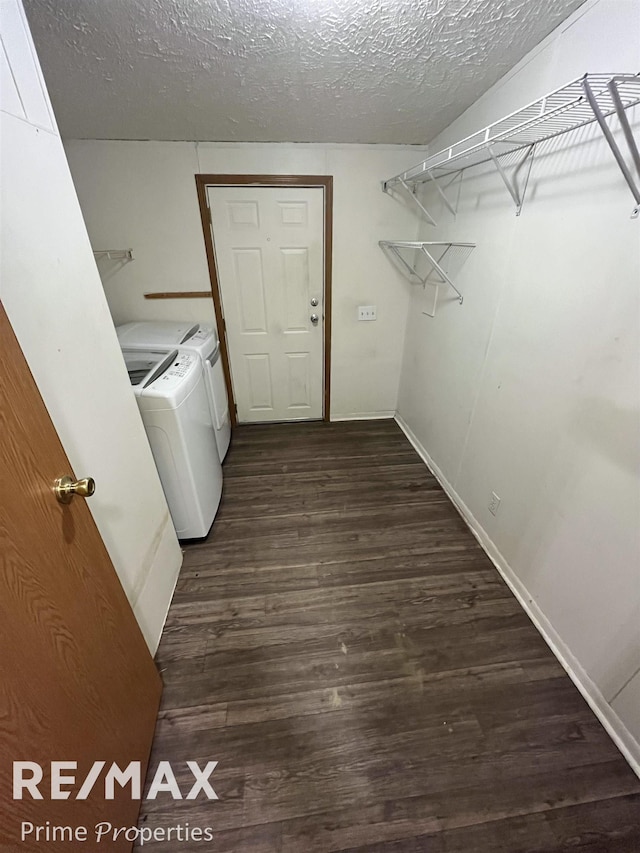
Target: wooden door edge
(201,187)
(324,182)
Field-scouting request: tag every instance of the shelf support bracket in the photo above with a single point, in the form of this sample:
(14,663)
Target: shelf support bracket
(443,195)
(436,266)
(512,183)
(608,135)
(426,281)
(404,263)
(416,200)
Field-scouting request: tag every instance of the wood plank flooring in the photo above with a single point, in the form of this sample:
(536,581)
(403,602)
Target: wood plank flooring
(341,645)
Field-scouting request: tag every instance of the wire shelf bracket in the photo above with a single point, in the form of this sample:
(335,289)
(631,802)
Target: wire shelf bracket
(114,254)
(428,249)
(441,191)
(615,86)
(511,181)
(411,194)
(592,97)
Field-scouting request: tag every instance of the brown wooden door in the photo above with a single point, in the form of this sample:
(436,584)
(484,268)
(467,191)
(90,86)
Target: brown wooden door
(77,682)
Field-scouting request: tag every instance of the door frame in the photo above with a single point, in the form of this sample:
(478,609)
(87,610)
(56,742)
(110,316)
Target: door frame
(324,182)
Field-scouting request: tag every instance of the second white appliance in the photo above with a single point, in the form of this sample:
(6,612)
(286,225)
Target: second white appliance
(194,338)
(172,398)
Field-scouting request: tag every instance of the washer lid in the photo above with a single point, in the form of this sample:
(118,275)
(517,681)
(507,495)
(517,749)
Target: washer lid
(156,333)
(144,366)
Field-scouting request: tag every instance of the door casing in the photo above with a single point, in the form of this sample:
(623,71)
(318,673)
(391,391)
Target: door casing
(323,181)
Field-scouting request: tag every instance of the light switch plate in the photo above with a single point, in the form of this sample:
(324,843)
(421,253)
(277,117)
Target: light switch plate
(366,312)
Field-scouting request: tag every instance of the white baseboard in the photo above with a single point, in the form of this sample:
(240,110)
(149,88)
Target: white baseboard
(616,729)
(152,605)
(363,416)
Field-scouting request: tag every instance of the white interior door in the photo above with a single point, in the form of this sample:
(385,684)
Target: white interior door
(269,245)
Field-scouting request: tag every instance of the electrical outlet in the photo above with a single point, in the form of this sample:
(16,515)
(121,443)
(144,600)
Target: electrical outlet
(494,503)
(366,312)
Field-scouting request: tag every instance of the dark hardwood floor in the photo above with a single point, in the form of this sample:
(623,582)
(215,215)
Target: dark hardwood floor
(345,650)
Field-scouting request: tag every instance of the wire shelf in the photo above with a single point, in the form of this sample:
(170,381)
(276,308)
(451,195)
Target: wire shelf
(435,253)
(590,98)
(114,254)
(561,111)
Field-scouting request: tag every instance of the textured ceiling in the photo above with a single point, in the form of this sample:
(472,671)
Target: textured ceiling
(388,71)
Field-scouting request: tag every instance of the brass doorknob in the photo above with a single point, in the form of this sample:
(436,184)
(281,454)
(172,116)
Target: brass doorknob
(65,488)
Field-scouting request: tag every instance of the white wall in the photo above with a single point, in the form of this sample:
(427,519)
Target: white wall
(530,388)
(55,302)
(142,195)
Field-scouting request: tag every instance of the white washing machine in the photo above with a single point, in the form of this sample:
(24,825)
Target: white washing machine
(194,338)
(173,401)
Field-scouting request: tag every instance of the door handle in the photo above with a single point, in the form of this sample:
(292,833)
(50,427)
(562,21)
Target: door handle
(65,488)
(314,319)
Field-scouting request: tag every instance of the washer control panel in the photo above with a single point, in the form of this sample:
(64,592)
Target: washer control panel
(202,334)
(181,365)
(203,340)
